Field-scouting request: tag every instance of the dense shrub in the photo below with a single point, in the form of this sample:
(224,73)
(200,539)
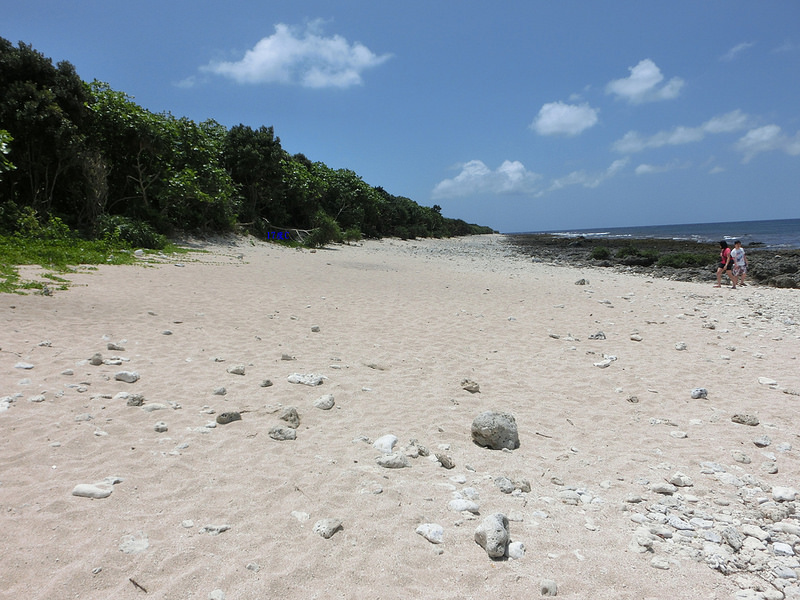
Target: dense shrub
(601,253)
(326,230)
(137,234)
(683,260)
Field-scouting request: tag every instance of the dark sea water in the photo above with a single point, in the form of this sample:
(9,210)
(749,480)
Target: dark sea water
(784,233)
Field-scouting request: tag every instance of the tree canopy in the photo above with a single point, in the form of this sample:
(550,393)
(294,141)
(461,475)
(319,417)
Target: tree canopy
(90,156)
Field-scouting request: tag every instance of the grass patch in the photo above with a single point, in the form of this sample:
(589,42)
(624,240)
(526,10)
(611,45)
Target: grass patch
(683,260)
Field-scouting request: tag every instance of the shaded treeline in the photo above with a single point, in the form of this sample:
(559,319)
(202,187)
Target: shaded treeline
(88,155)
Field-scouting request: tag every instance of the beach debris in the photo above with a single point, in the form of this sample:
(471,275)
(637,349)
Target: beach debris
(395,460)
(495,430)
(432,532)
(744,419)
(101,489)
(236,370)
(767,381)
(582,282)
(606,362)
(762,441)
(445,460)
(493,535)
(281,433)
(325,402)
(228,417)
(288,357)
(133,544)
(214,529)
(307,379)
(289,414)
(385,443)
(548,587)
(516,550)
(127,376)
(470,386)
(327,527)
(698,393)
(598,336)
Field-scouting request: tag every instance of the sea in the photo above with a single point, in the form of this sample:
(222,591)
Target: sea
(775,234)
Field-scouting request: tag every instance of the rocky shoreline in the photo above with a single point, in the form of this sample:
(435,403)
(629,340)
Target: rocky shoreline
(679,260)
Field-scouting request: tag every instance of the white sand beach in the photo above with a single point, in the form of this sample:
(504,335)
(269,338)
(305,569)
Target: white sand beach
(199,512)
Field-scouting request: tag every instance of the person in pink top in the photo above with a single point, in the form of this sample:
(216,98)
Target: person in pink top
(725,264)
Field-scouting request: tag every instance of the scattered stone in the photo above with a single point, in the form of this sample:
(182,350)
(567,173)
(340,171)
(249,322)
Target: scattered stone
(445,460)
(327,527)
(236,370)
(396,460)
(659,562)
(282,433)
(315,328)
(680,346)
(220,391)
(470,386)
(744,419)
(215,529)
(291,417)
(606,362)
(740,457)
(516,550)
(462,505)
(101,489)
(505,484)
(216,595)
(160,427)
(679,479)
(385,443)
(96,360)
(762,441)
(635,337)
(767,381)
(493,536)
(228,417)
(133,544)
(698,393)
(127,376)
(308,379)
(598,336)
(570,497)
(783,494)
(37,398)
(115,347)
(432,532)
(495,430)
(548,587)
(325,402)
(582,282)
(288,357)
(254,567)
(664,488)
(154,406)
(266,383)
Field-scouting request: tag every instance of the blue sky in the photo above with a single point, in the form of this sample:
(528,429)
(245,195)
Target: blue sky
(522,115)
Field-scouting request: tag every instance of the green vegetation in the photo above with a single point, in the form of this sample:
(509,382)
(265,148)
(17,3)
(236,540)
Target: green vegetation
(682,260)
(92,169)
(601,253)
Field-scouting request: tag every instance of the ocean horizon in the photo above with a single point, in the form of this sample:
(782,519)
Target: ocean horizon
(770,234)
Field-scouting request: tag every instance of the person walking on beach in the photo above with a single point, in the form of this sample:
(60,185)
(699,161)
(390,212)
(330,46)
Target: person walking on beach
(739,262)
(725,264)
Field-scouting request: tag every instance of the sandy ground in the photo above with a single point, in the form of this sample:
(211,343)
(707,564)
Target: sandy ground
(401,324)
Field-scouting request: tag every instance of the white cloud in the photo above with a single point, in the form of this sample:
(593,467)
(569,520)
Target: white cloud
(642,84)
(736,50)
(589,180)
(716,170)
(289,56)
(475,178)
(766,139)
(568,119)
(633,142)
(646,169)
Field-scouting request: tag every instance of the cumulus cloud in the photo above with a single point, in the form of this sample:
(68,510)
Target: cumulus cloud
(736,50)
(476,178)
(642,85)
(766,139)
(290,56)
(558,118)
(633,142)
